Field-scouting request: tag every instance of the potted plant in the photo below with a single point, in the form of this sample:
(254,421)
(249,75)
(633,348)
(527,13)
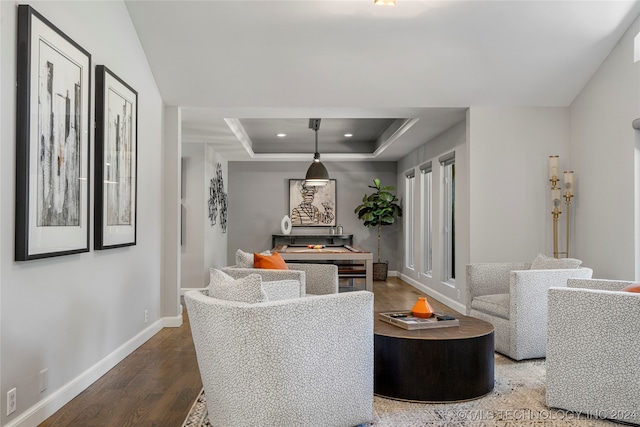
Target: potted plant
(378,209)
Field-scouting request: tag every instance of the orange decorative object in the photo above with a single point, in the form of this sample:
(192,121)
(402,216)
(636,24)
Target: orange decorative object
(422,308)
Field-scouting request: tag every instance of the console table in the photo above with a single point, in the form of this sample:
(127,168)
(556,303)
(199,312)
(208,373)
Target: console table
(311,239)
(351,261)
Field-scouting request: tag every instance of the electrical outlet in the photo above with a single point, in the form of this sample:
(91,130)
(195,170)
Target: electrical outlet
(44,379)
(146,316)
(12,402)
(458,292)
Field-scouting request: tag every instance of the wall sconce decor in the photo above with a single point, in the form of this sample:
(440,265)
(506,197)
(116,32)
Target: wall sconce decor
(556,194)
(218,199)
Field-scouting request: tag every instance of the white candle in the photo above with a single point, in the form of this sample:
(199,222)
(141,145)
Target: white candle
(569,189)
(553,167)
(555,197)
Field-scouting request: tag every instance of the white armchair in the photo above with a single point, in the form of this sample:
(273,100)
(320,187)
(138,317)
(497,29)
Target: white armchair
(513,299)
(317,279)
(592,351)
(296,362)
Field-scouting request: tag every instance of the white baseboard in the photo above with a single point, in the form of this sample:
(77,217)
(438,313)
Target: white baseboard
(183,290)
(172,322)
(457,306)
(49,405)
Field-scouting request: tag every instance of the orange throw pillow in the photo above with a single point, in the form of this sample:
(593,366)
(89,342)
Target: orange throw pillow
(272,262)
(634,287)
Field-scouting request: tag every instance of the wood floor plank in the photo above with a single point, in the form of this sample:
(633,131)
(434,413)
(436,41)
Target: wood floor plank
(154,386)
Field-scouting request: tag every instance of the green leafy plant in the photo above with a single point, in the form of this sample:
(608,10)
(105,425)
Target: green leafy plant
(379,208)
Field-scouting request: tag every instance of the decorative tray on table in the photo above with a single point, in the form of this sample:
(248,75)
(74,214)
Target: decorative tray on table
(405,320)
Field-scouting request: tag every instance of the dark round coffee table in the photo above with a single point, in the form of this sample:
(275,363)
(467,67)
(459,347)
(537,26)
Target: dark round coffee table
(434,365)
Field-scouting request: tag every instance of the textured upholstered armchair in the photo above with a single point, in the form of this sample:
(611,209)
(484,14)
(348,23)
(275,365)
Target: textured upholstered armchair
(317,279)
(513,299)
(296,362)
(593,347)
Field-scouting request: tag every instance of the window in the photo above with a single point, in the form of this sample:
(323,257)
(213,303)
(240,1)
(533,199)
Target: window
(408,218)
(426,219)
(448,215)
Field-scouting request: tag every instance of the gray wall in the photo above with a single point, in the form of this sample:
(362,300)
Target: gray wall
(259,198)
(193,206)
(203,245)
(451,293)
(78,315)
(605,154)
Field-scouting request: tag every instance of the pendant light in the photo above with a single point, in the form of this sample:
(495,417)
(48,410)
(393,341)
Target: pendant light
(317,174)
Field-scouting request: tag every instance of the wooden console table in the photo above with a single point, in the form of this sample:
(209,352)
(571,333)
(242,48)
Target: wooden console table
(335,254)
(311,239)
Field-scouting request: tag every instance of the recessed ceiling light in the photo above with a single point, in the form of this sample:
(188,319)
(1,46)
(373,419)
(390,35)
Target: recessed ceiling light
(385,2)
(348,135)
(281,135)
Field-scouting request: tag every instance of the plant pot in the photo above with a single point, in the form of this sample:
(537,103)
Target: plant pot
(380,270)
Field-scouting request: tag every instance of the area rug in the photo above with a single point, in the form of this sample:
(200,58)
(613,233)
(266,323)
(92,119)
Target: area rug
(517,400)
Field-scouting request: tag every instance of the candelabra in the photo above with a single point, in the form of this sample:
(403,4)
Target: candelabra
(553,171)
(555,201)
(569,192)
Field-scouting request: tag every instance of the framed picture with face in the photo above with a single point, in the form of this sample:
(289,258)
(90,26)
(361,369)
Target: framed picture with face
(312,206)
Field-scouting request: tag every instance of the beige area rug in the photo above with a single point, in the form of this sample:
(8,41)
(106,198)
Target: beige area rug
(517,400)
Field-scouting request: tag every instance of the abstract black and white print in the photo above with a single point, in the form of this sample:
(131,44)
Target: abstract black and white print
(59,130)
(53,96)
(119,158)
(116,161)
(218,199)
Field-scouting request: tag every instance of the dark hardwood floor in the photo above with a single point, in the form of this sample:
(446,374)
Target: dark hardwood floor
(154,386)
(157,384)
(394,294)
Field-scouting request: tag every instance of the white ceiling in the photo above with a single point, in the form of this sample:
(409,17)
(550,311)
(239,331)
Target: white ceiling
(340,59)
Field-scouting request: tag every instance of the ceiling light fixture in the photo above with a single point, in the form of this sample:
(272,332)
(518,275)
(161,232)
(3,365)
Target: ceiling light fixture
(348,135)
(384,2)
(317,174)
(281,135)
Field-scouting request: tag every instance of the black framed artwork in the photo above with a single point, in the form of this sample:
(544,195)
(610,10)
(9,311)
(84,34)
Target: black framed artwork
(52,140)
(116,161)
(312,206)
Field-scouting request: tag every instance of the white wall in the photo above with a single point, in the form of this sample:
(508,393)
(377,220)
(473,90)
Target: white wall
(171,210)
(510,207)
(77,315)
(637,205)
(259,198)
(215,240)
(2,233)
(602,147)
(455,139)
(193,205)
(204,245)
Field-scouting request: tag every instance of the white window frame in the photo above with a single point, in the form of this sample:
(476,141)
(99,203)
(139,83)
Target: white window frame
(409,254)
(447,163)
(426,219)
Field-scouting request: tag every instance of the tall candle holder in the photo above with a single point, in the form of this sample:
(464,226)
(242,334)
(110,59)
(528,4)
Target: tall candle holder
(569,192)
(555,201)
(553,172)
